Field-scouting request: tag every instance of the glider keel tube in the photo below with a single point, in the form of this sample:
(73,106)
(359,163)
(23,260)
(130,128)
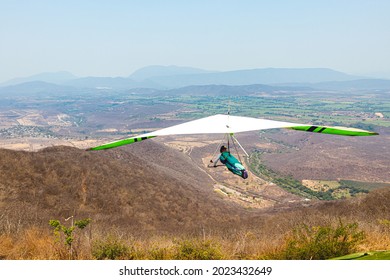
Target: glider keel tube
(121,143)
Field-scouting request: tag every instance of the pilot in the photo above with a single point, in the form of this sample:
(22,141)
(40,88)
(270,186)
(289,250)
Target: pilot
(231,163)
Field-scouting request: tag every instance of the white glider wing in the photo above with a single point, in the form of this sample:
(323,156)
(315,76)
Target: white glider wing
(222,124)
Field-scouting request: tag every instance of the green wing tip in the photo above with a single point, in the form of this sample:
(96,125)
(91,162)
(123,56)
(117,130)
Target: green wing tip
(334,130)
(120,143)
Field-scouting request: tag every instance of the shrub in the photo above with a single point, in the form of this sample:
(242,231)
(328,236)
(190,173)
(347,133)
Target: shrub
(197,250)
(112,249)
(61,231)
(322,242)
(157,253)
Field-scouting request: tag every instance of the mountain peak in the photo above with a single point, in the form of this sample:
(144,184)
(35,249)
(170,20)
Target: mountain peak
(58,77)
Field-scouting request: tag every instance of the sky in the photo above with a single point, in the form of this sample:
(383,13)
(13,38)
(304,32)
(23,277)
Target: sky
(115,38)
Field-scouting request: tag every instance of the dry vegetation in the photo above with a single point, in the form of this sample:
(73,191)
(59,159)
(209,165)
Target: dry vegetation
(325,157)
(270,238)
(155,203)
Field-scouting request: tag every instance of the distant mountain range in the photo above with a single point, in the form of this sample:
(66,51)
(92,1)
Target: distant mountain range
(174,77)
(268,76)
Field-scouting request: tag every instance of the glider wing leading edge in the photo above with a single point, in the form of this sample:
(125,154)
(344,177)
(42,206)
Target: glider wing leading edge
(222,124)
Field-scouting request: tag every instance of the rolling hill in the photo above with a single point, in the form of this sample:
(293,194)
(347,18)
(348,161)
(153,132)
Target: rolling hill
(118,188)
(48,77)
(143,194)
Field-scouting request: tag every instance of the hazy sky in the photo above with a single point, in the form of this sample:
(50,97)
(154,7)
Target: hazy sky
(114,38)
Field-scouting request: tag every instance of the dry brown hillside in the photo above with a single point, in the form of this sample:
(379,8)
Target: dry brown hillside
(144,188)
(150,188)
(151,195)
(329,157)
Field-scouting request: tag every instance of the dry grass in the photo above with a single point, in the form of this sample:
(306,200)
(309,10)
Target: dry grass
(34,243)
(29,245)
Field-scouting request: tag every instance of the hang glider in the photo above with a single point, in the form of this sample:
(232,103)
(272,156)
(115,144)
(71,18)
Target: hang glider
(228,124)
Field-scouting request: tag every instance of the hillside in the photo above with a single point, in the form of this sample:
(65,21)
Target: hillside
(117,188)
(149,198)
(48,77)
(330,158)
